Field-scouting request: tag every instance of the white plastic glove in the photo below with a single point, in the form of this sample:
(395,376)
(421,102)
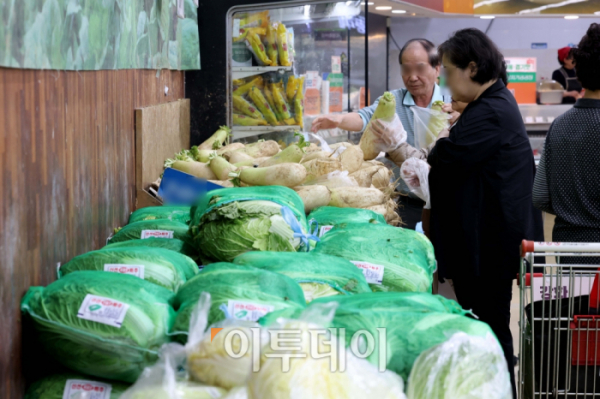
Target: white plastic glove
(415,173)
(388,135)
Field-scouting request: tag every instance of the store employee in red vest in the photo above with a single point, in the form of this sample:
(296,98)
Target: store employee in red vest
(565,75)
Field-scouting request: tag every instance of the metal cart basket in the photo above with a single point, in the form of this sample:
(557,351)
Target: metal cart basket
(559,322)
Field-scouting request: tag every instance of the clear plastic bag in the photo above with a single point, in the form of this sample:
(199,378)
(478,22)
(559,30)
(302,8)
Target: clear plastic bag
(167,380)
(428,125)
(335,179)
(415,173)
(464,367)
(315,377)
(395,136)
(207,358)
(312,138)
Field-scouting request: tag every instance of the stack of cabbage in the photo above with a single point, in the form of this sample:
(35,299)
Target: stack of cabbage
(334,176)
(231,221)
(107,325)
(454,356)
(238,292)
(392,259)
(318,275)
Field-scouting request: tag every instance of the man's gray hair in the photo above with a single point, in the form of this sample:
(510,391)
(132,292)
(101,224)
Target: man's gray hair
(434,58)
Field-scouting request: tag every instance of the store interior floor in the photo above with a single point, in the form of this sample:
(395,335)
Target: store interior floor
(446,291)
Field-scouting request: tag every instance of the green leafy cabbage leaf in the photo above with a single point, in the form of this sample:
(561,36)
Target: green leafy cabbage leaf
(463,367)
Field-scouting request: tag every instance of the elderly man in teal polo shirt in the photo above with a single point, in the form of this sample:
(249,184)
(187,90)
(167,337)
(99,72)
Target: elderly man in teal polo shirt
(420,67)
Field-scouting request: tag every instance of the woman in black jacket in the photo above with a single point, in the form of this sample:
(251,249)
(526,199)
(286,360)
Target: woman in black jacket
(480,182)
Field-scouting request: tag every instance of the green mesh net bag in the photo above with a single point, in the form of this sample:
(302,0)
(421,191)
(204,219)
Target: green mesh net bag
(175,213)
(411,323)
(163,267)
(72,385)
(172,244)
(231,221)
(237,292)
(106,325)
(327,217)
(159,228)
(318,275)
(392,258)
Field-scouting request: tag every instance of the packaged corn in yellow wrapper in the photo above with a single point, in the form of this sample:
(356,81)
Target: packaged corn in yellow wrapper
(256,20)
(258,49)
(292,88)
(300,91)
(269,97)
(263,106)
(290,122)
(244,32)
(243,120)
(238,82)
(272,45)
(282,45)
(245,88)
(299,109)
(242,106)
(280,103)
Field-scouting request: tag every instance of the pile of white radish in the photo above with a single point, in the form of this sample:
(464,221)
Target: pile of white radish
(339,177)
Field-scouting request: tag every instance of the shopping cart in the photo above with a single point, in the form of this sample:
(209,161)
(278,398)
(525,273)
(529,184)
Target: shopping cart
(559,321)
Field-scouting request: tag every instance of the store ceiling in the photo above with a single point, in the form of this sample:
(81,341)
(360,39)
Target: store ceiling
(500,8)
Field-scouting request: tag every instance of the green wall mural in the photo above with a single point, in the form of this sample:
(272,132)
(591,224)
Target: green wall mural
(98,34)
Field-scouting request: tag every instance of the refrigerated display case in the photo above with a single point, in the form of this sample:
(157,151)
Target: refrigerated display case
(272,48)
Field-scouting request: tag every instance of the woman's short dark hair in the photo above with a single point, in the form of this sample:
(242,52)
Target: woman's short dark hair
(434,59)
(587,59)
(472,45)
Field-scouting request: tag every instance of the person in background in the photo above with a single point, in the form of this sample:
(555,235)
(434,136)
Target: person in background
(568,180)
(420,66)
(480,183)
(565,75)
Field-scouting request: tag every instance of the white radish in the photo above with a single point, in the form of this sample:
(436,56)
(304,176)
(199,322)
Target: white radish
(356,197)
(292,154)
(352,159)
(380,209)
(283,174)
(221,168)
(382,178)
(222,183)
(230,147)
(194,168)
(342,144)
(320,167)
(316,155)
(313,196)
(312,148)
(236,156)
(261,149)
(252,162)
(364,177)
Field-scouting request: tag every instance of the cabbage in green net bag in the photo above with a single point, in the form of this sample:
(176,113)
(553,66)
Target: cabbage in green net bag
(159,228)
(392,258)
(106,325)
(231,221)
(327,217)
(175,213)
(463,367)
(412,323)
(238,292)
(386,301)
(72,385)
(163,267)
(318,275)
(172,244)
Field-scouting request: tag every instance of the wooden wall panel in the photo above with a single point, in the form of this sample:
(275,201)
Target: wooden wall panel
(67,177)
